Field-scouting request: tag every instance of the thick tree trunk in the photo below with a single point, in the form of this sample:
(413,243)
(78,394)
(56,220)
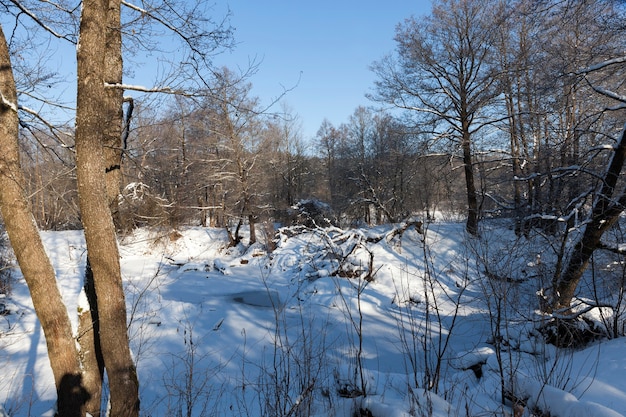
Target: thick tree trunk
(113,67)
(89,322)
(472,201)
(31,255)
(579,260)
(95,213)
(606,211)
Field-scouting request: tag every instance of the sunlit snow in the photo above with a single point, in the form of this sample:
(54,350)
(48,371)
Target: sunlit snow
(329,323)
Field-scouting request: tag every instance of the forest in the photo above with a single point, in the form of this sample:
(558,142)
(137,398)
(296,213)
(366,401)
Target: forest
(515,119)
(487,110)
(530,105)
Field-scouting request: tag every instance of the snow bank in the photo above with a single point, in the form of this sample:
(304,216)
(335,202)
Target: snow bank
(263,323)
(556,402)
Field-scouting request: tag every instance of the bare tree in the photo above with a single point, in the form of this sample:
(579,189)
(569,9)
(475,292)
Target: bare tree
(49,170)
(608,206)
(96,216)
(518,57)
(387,177)
(443,72)
(554,121)
(332,144)
(235,125)
(287,177)
(98,149)
(559,127)
(609,201)
(31,255)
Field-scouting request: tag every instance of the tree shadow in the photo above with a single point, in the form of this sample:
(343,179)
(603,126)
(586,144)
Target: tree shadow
(72,396)
(32,359)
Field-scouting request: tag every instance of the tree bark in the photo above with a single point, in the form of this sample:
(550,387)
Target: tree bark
(89,322)
(252,223)
(31,255)
(472,201)
(113,67)
(95,213)
(90,347)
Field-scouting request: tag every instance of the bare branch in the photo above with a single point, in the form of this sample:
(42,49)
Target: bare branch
(53,129)
(23,9)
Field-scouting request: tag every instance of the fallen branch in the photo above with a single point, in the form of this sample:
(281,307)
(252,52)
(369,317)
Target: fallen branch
(397,231)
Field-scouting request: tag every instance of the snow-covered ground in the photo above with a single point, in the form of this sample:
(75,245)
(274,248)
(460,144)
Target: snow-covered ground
(329,323)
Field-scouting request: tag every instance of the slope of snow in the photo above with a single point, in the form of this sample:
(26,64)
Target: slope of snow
(329,323)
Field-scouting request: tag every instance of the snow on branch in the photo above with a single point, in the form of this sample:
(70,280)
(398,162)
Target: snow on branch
(47,28)
(164,90)
(53,129)
(608,93)
(603,64)
(619,248)
(600,90)
(7,103)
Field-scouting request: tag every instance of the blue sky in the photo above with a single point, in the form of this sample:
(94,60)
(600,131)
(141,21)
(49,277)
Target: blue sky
(327,45)
(323,48)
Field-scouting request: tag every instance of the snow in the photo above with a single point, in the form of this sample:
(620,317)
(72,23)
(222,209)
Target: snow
(559,403)
(7,103)
(300,327)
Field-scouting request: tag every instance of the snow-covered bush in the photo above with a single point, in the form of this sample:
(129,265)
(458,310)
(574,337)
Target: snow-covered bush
(140,206)
(312,213)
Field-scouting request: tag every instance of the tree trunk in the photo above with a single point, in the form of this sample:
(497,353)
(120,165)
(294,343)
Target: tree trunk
(606,211)
(90,348)
(252,222)
(89,324)
(113,72)
(95,213)
(31,255)
(472,202)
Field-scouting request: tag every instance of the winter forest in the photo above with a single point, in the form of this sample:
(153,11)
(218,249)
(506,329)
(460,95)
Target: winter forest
(454,248)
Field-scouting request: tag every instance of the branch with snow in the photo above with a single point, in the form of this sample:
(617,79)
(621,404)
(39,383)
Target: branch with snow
(600,90)
(26,11)
(602,65)
(608,93)
(7,103)
(53,129)
(164,90)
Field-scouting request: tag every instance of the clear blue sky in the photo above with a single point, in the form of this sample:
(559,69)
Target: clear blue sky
(328,45)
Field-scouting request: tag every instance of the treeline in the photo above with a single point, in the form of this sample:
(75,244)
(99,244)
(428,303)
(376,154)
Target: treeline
(497,109)
(219,164)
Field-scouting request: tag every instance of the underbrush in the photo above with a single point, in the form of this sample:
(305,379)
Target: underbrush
(393,320)
(461,320)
